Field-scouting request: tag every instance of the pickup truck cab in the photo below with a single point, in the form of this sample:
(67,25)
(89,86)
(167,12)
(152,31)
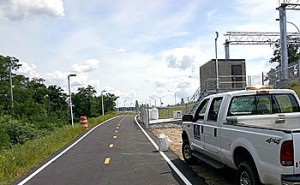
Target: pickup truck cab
(256,132)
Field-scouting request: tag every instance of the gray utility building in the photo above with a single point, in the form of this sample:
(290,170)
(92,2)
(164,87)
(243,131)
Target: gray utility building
(232,75)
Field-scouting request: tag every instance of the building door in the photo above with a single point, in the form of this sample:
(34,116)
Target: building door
(237,78)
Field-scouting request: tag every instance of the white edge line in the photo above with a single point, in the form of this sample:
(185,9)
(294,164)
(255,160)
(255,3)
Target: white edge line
(177,171)
(61,153)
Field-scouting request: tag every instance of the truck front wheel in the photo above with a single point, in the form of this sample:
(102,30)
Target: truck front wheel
(187,153)
(247,174)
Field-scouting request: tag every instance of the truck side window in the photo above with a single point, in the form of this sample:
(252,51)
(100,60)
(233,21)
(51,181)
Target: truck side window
(286,103)
(242,105)
(214,109)
(201,110)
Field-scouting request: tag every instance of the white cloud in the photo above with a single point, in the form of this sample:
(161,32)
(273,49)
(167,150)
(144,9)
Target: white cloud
(121,51)
(22,9)
(184,63)
(28,69)
(87,66)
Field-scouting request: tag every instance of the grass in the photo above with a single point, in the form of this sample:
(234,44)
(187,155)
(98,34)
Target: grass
(21,158)
(167,112)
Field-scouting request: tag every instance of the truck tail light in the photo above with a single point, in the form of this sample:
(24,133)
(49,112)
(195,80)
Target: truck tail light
(287,153)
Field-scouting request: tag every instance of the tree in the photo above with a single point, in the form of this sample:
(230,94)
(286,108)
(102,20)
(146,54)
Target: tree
(56,101)
(5,64)
(293,56)
(83,101)
(293,53)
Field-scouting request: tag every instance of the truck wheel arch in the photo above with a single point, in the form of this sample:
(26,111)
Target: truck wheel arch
(185,137)
(241,155)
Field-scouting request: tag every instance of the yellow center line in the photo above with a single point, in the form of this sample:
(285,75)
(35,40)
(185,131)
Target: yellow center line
(122,119)
(115,137)
(106,162)
(111,145)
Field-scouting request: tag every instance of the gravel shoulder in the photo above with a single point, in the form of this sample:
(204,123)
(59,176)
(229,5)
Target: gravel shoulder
(212,176)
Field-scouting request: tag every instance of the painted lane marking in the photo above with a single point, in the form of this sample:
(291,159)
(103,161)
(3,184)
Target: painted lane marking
(177,171)
(117,127)
(60,154)
(107,160)
(115,137)
(122,119)
(116,131)
(111,145)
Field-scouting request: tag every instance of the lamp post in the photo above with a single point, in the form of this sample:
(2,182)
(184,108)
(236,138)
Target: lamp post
(217,64)
(297,28)
(102,102)
(12,59)
(70,102)
(175,95)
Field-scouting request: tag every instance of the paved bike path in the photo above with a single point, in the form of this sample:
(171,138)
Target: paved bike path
(117,152)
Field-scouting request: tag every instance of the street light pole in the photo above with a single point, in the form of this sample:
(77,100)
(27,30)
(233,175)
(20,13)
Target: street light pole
(70,102)
(12,59)
(102,102)
(294,25)
(217,63)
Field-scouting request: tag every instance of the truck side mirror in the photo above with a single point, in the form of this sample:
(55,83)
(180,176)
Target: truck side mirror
(188,117)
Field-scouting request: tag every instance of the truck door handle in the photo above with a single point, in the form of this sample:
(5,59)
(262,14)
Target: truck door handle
(215,132)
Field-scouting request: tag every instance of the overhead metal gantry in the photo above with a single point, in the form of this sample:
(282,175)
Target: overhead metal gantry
(269,38)
(258,38)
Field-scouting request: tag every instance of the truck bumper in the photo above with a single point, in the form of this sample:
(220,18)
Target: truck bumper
(290,179)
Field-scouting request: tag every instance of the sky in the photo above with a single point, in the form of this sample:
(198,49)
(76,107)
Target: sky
(136,49)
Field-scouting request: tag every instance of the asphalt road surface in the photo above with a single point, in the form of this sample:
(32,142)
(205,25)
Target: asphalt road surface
(117,152)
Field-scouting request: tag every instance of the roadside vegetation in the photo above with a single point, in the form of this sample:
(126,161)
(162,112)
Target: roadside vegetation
(20,158)
(35,119)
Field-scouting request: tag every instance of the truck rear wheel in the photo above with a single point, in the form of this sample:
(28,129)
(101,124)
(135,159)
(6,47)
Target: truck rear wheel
(187,153)
(247,174)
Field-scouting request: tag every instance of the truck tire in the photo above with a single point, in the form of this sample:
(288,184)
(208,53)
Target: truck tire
(247,174)
(187,153)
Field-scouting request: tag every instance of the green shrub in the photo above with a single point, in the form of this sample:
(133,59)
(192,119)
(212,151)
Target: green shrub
(4,138)
(19,133)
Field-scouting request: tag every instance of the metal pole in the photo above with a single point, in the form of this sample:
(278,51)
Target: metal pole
(11,89)
(294,26)
(227,54)
(283,42)
(70,103)
(102,102)
(217,65)
(175,98)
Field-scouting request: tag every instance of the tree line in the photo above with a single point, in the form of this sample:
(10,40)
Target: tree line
(37,109)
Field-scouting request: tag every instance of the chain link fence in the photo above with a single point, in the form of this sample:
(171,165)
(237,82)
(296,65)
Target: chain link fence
(274,76)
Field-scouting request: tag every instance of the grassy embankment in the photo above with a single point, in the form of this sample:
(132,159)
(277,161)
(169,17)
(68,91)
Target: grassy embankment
(168,111)
(21,158)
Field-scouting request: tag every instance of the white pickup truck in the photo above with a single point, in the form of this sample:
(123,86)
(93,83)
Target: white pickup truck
(256,132)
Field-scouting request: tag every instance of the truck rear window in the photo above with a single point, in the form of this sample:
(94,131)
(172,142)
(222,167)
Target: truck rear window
(263,104)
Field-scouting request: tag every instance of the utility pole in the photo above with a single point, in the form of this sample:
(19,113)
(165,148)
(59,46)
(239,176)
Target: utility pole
(283,42)
(12,59)
(70,102)
(102,102)
(217,63)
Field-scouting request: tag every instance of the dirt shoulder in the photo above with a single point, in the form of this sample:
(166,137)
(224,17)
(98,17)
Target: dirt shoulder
(212,176)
